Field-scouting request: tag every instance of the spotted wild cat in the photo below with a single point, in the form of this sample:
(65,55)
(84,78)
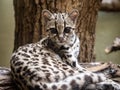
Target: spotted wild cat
(51,63)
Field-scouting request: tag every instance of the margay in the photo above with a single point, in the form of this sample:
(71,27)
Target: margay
(51,63)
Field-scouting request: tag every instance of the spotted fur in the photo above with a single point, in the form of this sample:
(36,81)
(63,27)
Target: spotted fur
(51,63)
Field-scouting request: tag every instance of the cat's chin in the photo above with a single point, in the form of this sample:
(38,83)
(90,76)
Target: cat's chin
(61,43)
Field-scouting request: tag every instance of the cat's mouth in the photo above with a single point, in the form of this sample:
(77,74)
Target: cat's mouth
(61,40)
(61,43)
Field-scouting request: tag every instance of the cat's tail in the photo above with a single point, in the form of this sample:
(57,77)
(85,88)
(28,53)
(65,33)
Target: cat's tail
(88,81)
(83,82)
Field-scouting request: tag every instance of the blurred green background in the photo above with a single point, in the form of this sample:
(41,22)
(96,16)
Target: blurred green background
(108,27)
(7,26)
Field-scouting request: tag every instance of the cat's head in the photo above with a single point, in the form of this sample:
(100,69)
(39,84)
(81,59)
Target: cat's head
(60,27)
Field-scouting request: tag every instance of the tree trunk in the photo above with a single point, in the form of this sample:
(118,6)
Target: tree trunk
(30,27)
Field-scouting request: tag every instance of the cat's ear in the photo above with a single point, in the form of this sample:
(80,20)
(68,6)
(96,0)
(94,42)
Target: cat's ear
(74,15)
(47,14)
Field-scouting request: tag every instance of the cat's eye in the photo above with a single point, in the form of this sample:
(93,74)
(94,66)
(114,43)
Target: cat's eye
(67,29)
(53,30)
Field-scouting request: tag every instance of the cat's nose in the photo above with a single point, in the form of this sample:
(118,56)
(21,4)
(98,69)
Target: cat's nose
(61,38)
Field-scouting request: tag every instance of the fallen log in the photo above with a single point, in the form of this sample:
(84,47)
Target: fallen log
(6,82)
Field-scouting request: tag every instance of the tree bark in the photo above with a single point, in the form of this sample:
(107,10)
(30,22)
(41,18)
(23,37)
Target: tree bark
(30,27)
(86,28)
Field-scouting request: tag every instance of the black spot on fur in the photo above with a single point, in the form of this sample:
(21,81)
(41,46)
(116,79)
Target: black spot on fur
(28,72)
(24,50)
(14,58)
(32,76)
(13,70)
(41,53)
(45,86)
(30,88)
(20,77)
(74,85)
(45,70)
(54,87)
(25,59)
(81,71)
(64,65)
(57,78)
(47,54)
(45,61)
(73,82)
(43,66)
(88,80)
(31,51)
(36,55)
(64,48)
(105,87)
(37,87)
(64,87)
(35,63)
(24,81)
(34,50)
(71,71)
(39,78)
(65,68)
(18,63)
(25,68)
(16,76)
(56,72)
(68,63)
(69,55)
(74,64)
(18,69)
(26,55)
(99,79)
(17,83)
(19,53)
(48,77)
(29,62)
(79,78)
(38,69)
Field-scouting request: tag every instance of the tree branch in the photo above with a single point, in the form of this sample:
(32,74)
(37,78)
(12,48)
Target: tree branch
(115,46)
